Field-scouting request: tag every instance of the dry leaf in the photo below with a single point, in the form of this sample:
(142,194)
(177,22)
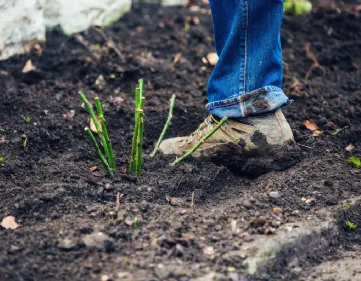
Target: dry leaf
(98,174)
(310,125)
(212,58)
(117,101)
(177,58)
(28,67)
(9,223)
(309,201)
(93,168)
(317,133)
(92,125)
(350,148)
(196,20)
(335,132)
(204,60)
(69,114)
(38,49)
(277,210)
(175,201)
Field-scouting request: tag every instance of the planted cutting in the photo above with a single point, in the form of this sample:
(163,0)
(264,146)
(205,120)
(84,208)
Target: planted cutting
(137,141)
(166,126)
(108,160)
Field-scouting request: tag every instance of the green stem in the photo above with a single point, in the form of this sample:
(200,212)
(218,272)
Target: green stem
(108,144)
(170,116)
(89,108)
(141,88)
(135,134)
(194,148)
(98,152)
(140,138)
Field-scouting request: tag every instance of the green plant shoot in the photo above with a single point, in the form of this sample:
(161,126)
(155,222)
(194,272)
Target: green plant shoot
(98,152)
(351,225)
(194,148)
(100,125)
(354,161)
(297,7)
(162,135)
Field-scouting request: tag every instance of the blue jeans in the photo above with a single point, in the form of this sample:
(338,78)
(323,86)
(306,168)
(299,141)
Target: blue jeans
(247,78)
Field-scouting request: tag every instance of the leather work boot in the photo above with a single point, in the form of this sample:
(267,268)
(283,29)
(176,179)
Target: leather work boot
(250,136)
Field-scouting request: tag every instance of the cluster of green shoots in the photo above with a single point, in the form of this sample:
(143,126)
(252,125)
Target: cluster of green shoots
(136,157)
(297,7)
(108,160)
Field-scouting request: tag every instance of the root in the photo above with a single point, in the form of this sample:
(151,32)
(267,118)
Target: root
(311,56)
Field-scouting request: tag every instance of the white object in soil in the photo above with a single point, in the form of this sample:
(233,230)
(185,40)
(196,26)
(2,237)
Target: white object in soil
(75,16)
(21,25)
(169,2)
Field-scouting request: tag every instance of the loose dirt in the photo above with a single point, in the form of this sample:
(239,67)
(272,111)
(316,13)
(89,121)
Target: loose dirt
(69,229)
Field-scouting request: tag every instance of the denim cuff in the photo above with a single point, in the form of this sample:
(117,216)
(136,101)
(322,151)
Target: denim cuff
(262,100)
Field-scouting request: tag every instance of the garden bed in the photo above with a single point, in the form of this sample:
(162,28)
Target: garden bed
(62,206)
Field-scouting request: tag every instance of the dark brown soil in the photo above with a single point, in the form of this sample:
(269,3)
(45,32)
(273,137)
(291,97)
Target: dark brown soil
(58,201)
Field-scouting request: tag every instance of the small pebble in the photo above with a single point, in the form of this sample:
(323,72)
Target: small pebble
(274,194)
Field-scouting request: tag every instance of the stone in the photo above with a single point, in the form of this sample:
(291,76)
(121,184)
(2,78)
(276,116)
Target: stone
(168,2)
(67,244)
(212,276)
(21,26)
(97,240)
(274,194)
(124,276)
(76,16)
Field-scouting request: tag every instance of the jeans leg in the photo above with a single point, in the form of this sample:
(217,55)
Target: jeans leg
(247,79)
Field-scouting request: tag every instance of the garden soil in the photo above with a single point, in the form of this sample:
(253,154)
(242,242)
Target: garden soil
(172,223)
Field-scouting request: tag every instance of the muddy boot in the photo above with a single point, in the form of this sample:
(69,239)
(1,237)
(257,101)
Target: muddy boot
(251,136)
(248,146)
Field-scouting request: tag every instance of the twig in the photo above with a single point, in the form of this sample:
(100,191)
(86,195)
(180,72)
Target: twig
(310,55)
(109,41)
(98,152)
(309,147)
(110,155)
(194,148)
(85,44)
(117,203)
(192,202)
(170,116)
(89,108)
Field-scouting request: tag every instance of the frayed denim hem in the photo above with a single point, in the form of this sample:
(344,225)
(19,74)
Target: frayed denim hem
(262,100)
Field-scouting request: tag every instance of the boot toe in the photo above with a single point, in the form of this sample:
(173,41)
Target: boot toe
(171,146)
